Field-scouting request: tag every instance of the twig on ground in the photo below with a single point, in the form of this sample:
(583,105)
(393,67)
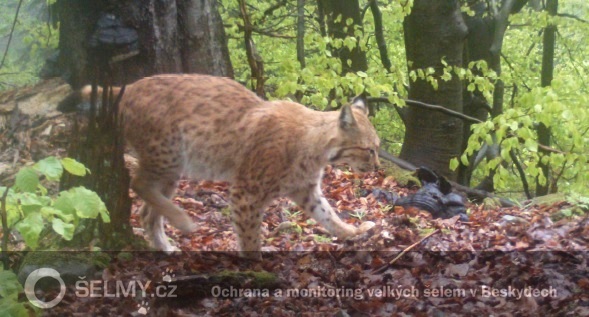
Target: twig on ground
(409,248)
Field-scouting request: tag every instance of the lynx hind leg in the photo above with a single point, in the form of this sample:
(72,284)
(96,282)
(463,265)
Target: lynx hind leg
(153,224)
(246,217)
(317,207)
(156,192)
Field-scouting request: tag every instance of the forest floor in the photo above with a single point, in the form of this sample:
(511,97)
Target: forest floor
(503,262)
(529,260)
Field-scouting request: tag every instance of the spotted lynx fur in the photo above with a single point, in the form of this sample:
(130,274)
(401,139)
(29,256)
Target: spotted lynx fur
(214,128)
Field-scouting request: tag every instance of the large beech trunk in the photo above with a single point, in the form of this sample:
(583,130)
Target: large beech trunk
(434,30)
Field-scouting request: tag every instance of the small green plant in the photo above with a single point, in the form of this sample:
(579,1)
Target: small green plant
(322,239)
(297,229)
(579,201)
(226,211)
(386,208)
(290,214)
(29,208)
(359,214)
(579,207)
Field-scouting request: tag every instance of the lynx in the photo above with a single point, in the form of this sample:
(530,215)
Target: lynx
(214,128)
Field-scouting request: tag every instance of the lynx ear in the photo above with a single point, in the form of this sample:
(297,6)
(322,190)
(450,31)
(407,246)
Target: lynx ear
(346,118)
(360,102)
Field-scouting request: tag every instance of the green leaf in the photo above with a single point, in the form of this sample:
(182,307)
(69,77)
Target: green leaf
(454,164)
(532,145)
(104,215)
(30,202)
(464,160)
(65,203)
(52,212)
(74,167)
(50,167)
(446,76)
(10,287)
(30,229)
(361,74)
(66,230)
(13,308)
(27,179)
(81,201)
(29,199)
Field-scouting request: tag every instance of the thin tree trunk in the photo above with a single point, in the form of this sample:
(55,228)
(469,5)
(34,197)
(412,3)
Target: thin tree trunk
(378,34)
(321,18)
(544,132)
(486,31)
(301,32)
(253,58)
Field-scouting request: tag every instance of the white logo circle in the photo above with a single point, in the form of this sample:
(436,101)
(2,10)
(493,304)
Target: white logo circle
(32,280)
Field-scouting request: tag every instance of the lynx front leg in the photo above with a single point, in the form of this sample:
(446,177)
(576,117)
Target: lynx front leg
(317,207)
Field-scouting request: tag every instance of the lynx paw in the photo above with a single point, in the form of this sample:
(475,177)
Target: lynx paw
(183,223)
(365,226)
(251,255)
(172,250)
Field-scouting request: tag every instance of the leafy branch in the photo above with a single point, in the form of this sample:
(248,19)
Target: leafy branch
(11,33)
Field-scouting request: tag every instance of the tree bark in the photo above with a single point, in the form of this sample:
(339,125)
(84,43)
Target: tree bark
(203,44)
(544,137)
(175,36)
(379,35)
(486,30)
(253,58)
(301,32)
(477,47)
(337,28)
(434,30)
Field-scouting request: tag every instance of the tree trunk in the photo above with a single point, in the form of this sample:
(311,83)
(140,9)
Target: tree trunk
(486,30)
(337,28)
(182,36)
(301,32)
(544,132)
(434,30)
(253,58)
(477,47)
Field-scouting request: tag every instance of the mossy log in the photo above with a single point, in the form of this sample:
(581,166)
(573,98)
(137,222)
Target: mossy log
(225,284)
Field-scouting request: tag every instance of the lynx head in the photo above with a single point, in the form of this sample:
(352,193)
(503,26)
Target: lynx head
(357,143)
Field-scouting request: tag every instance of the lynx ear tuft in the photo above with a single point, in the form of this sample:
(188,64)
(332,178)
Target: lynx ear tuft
(360,102)
(346,118)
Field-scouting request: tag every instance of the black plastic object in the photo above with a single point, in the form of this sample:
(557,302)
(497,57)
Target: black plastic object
(435,196)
